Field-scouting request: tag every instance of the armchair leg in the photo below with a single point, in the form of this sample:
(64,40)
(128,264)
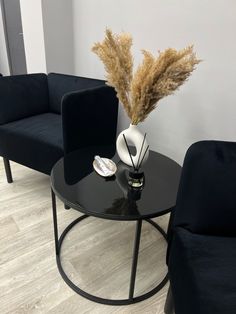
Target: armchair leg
(66,206)
(169,305)
(8,170)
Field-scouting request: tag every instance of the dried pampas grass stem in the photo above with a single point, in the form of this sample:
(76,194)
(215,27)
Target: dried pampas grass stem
(154,79)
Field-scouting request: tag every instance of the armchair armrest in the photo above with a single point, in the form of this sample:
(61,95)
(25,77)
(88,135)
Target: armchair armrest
(206,201)
(89,117)
(22,96)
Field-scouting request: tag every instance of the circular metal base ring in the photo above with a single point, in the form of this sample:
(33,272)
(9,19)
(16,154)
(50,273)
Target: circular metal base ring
(99,299)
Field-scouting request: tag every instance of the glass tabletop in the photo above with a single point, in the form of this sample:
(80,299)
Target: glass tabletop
(76,183)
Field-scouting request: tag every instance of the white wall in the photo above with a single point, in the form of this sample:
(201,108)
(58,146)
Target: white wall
(32,23)
(4,66)
(58,35)
(204,108)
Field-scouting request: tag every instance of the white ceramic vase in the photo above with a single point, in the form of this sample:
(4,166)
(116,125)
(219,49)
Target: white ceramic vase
(134,138)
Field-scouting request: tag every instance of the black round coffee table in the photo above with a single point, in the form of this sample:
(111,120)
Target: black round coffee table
(75,183)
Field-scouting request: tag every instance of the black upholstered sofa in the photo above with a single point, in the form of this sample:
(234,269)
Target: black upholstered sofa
(42,117)
(202,247)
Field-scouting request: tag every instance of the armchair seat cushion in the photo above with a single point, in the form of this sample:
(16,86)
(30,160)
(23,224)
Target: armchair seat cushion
(35,141)
(202,273)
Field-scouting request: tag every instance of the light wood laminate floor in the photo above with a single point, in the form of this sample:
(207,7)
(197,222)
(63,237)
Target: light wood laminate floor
(97,254)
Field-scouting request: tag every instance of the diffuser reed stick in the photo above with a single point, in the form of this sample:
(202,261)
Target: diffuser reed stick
(126,143)
(137,166)
(143,156)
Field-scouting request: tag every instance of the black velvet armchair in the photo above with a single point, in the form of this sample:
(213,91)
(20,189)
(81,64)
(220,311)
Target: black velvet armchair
(202,247)
(43,117)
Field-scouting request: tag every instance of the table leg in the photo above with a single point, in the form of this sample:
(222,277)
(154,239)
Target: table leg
(54,212)
(135,258)
(8,170)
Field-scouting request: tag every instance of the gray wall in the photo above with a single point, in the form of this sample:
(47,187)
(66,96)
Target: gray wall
(4,66)
(58,35)
(14,36)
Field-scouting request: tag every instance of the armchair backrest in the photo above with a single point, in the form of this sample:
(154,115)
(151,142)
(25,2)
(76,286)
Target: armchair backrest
(89,118)
(61,84)
(22,96)
(206,201)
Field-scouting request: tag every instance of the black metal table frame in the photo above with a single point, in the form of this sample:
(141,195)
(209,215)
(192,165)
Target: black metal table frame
(131,299)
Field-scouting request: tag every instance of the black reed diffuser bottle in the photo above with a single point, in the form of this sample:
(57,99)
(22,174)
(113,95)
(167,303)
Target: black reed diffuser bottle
(136,179)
